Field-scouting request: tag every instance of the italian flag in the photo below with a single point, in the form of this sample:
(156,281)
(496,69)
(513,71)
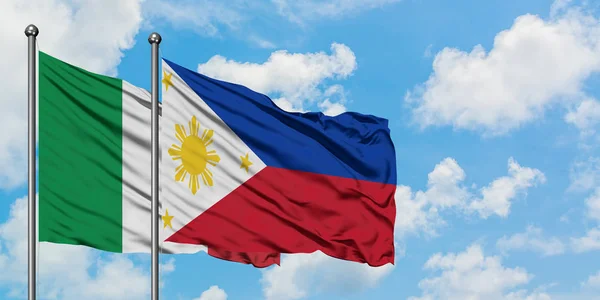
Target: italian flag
(94,161)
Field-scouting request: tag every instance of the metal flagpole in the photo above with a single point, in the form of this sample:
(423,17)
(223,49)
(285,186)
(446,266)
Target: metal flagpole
(31,32)
(154,39)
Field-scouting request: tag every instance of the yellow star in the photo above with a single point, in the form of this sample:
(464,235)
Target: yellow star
(167,80)
(167,220)
(245,162)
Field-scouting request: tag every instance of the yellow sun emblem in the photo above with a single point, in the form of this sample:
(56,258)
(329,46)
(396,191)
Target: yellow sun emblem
(194,155)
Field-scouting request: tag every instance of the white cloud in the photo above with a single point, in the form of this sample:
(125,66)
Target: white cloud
(472,275)
(496,196)
(117,278)
(525,295)
(216,18)
(202,16)
(443,185)
(334,103)
(592,204)
(287,105)
(261,42)
(167,267)
(213,293)
(420,211)
(589,242)
(585,175)
(427,53)
(301,274)
(415,214)
(332,109)
(301,11)
(559,6)
(533,240)
(66,272)
(593,282)
(295,77)
(585,117)
(533,65)
(212,18)
(68,30)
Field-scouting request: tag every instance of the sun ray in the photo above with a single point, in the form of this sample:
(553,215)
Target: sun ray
(181,173)
(180,133)
(194,185)
(207,178)
(207,137)
(194,126)
(175,152)
(194,155)
(212,157)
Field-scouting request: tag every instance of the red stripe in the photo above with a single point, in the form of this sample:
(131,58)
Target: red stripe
(259,260)
(284,211)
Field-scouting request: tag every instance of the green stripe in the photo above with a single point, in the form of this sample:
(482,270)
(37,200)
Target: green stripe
(80,156)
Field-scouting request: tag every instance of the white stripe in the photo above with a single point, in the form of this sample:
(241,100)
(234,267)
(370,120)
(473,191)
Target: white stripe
(136,174)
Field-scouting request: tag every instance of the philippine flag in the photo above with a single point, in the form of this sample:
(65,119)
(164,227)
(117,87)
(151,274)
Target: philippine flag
(248,181)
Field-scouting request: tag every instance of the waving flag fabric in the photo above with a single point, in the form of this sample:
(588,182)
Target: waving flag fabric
(94,162)
(238,173)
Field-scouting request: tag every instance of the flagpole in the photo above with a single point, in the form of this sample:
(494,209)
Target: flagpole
(31,32)
(154,39)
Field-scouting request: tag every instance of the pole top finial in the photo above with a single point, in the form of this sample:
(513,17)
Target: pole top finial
(154,38)
(31,30)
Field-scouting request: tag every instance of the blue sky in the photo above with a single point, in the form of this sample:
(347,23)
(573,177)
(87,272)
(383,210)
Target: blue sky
(493,109)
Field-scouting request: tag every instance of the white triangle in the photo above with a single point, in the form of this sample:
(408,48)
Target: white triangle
(180,105)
